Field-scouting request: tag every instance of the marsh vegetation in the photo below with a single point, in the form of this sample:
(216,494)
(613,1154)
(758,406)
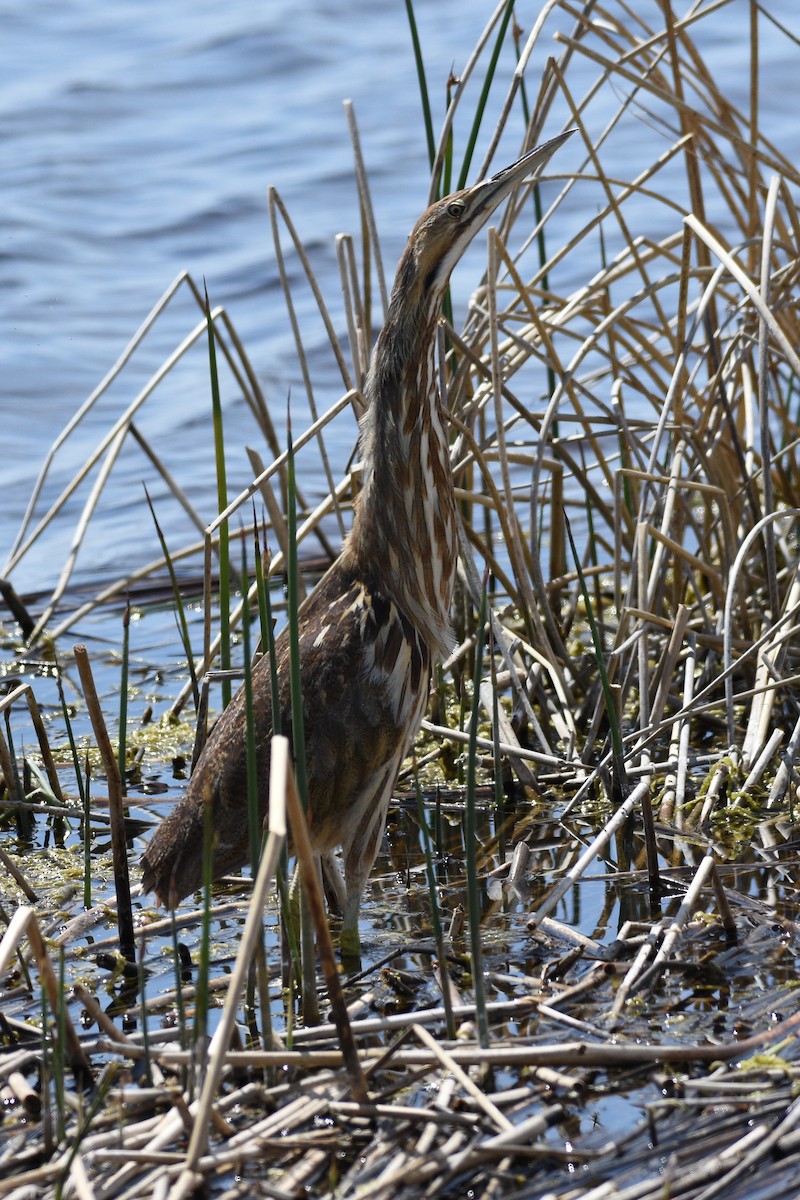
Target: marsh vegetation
(580,942)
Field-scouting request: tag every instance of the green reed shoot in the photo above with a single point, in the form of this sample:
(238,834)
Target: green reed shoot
(222,501)
(617,749)
(180,608)
(267,629)
(83,789)
(262,975)
(123,695)
(142,980)
(293,592)
(471,838)
(423,83)
(480,108)
(497,758)
(204,965)
(289,920)
(436,920)
(253,815)
(267,647)
(73,749)
(591,545)
(445,183)
(310,1009)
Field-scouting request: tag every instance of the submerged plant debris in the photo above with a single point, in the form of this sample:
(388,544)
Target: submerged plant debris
(625,383)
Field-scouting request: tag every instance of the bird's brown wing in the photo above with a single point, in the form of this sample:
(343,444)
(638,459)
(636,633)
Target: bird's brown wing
(364,676)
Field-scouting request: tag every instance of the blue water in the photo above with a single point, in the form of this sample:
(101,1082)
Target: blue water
(139,140)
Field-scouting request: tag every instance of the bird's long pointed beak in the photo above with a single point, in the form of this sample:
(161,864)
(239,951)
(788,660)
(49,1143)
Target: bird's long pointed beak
(495,189)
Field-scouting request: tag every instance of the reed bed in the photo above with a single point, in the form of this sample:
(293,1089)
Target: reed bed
(624,400)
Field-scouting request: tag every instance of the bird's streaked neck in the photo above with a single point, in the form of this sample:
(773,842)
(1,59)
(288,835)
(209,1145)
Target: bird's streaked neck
(405,519)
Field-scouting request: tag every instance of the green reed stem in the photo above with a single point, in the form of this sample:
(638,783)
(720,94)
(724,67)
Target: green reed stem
(497,758)
(264,996)
(73,749)
(436,920)
(289,922)
(123,695)
(310,1010)
(445,184)
(222,501)
(202,994)
(625,462)
(617,750)
(268,647)
(253,815)
(293,591)
(267,631)
(83,790)
(484,96)
(591,541)
(148,1067)
(471,839)
(180,609)
(423,83)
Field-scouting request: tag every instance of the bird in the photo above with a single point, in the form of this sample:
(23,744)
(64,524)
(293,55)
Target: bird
(378,619)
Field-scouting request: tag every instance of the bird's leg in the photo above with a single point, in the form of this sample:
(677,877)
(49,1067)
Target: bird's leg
(359,855)
(332,882)
(292,914)
(329,881)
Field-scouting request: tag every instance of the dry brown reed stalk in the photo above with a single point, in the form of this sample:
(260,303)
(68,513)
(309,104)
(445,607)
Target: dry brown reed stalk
(562,1054)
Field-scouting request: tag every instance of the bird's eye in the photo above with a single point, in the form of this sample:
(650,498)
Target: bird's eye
(456,209)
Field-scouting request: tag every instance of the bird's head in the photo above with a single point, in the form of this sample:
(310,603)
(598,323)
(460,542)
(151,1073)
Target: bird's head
(444,231)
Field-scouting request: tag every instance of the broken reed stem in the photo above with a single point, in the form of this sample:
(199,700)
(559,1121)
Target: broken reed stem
(499,1119)
(678,924)
(518,1054)
(115,803)
(14,872)
(252,933)
(592,851)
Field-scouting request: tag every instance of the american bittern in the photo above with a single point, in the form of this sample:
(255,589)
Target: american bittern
(380,616)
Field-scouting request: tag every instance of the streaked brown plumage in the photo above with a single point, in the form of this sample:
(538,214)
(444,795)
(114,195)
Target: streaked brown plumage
(379,618)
